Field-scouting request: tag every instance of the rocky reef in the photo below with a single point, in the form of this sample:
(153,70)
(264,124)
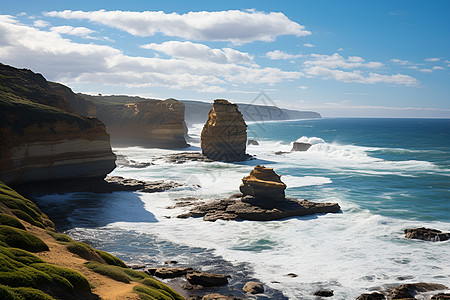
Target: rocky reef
(224,135)
(262,199)
(40,136)
(426,234)
(135,121)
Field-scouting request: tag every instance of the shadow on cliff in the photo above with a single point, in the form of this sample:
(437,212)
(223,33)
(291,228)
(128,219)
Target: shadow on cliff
(91,210)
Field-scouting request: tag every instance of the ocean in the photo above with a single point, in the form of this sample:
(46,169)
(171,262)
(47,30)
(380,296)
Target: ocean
(386,174)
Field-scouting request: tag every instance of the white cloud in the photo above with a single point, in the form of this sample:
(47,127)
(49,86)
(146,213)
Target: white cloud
(41,23)
(337,61)
(426,70)
(76,31)
(340,49)
(357,76)
(413,67)
(63,60)
(401,62)
(438,68)
(308,45)
(197,51)
(232,25)
(433,59)
(303,87)
(277,54)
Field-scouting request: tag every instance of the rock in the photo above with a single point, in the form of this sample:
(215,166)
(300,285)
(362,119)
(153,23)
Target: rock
(426,234)
(173,262)
(441,296)
(41,137)
(136,267)
(216,296)
(263,183)
(293,275)
(179,158)
(123,161)
(409,290)
(169,272)
(372,296)
(135,121)
(253,287)
(281,152)
(252,142)
(224,134)
(258,210)
(324,293)
(206,279)
(297,146)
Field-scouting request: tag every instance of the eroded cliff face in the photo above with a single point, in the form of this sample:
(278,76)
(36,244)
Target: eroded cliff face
(263,183)
(134,121)
(224,135)
(40,140)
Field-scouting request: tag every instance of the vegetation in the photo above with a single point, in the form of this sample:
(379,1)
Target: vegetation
(60,237)
(76,280)
(19,238)
(10,221)
(156,284)
(112,272)
(152,293)
(22,293)
(111,259)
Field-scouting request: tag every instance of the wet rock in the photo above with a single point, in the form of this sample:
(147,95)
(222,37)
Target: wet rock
(441,296)
(281,152)
(173,262)
(426,234)
(183,157)
(224,135)
(252,142)
(297,146)
(408,291)
(118,183)
(372,296)
(263,183)
(253,287)
(136,267)
(123,161)
(206,279)
(168,272)
(291,275)
(324,293)
(216,296)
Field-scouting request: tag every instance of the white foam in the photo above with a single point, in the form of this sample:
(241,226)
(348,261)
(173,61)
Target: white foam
(294,181)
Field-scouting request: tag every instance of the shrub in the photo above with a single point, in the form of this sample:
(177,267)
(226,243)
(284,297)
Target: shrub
(112,272)
(152,282)
(20,255)
(76,279)
(31,294)
(27,218)
(111,259)
(152,293)
(60,237)
(10,221)
(19,238)
(84,250)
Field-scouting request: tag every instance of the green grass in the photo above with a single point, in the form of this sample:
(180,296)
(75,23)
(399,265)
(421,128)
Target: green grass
(113,272)
(20,255)
(22,293)
(152,293)
(27,218)
(89,253)
(111,259)
(10,221)
(19,238)
(152,282)
(60,237)
(77,280)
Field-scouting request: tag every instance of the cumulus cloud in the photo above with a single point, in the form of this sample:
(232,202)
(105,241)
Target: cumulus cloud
(76,31)
(231,25)
(63,60)
(337,61)
(308,45)
(438,68)
(357,76)
(433,59)
(197,51)
(401,62)
(426,70)
(41,23)
(277,54)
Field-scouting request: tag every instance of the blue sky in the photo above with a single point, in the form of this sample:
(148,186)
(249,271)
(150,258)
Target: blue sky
(340,58)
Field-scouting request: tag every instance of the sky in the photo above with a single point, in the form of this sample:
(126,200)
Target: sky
(339,58)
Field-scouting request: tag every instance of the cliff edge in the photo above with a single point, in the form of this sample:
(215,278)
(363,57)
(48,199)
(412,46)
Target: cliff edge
(40,136)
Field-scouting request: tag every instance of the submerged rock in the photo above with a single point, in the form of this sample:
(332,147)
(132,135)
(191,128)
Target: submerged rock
(372,296)
(297,146)
(426,234)
(206,279)
(224,135)
(441,296)
(263,183)
(253,287)
(408,291)
(252,142)
(324,293)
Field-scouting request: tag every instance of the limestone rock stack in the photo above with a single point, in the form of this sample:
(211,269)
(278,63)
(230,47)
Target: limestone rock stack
(41,139)
(224,135)
(263,183)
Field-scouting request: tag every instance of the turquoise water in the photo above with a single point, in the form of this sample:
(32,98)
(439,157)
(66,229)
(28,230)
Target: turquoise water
(386,174)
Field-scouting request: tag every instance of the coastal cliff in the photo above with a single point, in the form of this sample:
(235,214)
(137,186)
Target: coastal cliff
(135,121)
(224,136)
(41,137)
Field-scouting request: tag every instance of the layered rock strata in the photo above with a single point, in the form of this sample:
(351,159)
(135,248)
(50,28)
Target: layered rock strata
(263,183)
(224,135)
(142,122)
(297,146)
(40,138)
(426,234)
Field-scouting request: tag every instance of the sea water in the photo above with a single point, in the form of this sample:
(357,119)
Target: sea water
(386,174)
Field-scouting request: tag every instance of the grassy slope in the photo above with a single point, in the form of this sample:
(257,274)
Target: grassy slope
(53,271)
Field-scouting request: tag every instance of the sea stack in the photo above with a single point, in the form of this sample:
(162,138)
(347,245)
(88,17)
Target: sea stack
(224,135)
(263,183)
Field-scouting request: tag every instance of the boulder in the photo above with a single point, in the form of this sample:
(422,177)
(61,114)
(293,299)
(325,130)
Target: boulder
(253,287)
(263,183)
(215,296)
(408,291)
(206,279)
(252,142)
(426,234)
(441,296)
(224,135)
(168,272)
(324,293)
(297,146)
(372,296)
